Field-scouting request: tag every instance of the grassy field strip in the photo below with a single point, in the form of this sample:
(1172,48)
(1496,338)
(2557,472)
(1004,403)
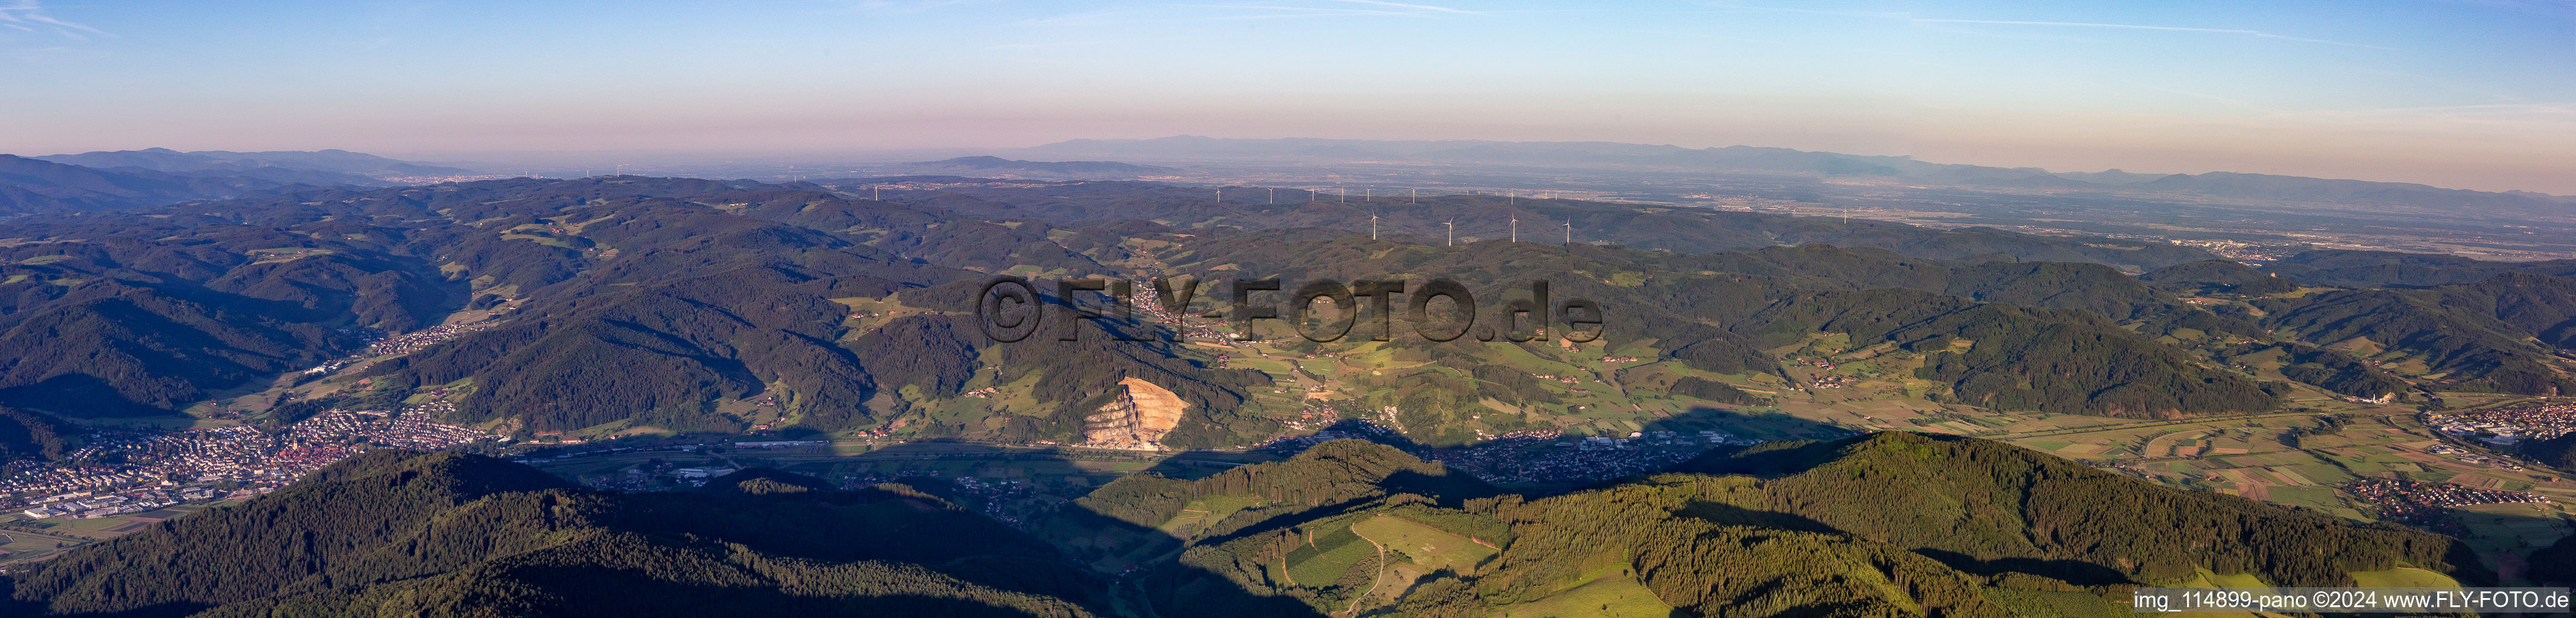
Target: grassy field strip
(1430,547)
(1607,592)
(1326,556)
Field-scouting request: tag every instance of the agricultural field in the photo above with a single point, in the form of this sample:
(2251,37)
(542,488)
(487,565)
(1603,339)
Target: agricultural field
(1431,548)
(2297,459)
(18,543)
(2403,577)
(1199,513)
(1606,589)
(1326,556)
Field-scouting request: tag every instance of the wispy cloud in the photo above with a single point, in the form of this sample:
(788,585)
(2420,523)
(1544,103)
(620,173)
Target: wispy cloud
(1386,9)
(1418,7)
(29,15)
(2071,24)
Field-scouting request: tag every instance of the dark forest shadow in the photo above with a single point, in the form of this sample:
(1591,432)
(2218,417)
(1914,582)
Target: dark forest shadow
(1139,559)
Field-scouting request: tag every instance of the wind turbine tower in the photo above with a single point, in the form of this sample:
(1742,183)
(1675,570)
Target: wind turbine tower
(1569,232)
(1516,228)
(1274,196)
(1372,225)
(1453,231)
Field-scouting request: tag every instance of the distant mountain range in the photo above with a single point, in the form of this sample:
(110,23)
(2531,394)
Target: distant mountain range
(988,166)
(160,176)
(1788,162)
(313,167)
(35,185)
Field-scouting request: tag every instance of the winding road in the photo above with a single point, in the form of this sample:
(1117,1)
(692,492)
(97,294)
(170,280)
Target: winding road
(1374,579)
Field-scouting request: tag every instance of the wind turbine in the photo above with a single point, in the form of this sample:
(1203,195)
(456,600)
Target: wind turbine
(1220,195)
(1417,195)
(1368,194)
(1569,232)
(876,192)
(1274,196)
(1372,225)
(1453,231)
(1516,228)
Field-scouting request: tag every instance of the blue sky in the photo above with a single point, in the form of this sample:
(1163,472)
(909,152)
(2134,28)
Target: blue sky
(2471,94)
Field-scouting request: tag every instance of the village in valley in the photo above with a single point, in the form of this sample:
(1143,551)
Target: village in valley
(2450,468)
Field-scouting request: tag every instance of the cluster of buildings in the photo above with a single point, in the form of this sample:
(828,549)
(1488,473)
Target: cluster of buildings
(330,366)
(88,504)
(1316,414)
(994,497)
(378,344)
(415,340)
(2244,251)
(409,429)
(2507,426)
(654,476)
(155,469)
(1149,310)
(2471,458)
(1357,428)
(2424,504)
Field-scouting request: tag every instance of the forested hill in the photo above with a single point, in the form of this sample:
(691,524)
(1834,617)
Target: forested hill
(1977,502)
(2346,268)
(664,304)
(207,296)
(1856,527)
(40,186)
(1862,526)
(25,433)
(397,533)
(1489,217)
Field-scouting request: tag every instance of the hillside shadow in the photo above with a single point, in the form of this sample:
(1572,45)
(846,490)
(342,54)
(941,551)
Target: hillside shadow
(2507,559)
(1142,561)
(88,395)
(1752,424)
(2076,572)
(1731,515)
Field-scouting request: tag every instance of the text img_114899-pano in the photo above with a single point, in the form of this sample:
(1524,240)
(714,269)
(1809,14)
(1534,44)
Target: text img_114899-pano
(1011,309)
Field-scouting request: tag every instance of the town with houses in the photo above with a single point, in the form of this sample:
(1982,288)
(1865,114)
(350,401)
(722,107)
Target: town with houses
(141,475)
(2426,505)
(2507,426)
(158,469)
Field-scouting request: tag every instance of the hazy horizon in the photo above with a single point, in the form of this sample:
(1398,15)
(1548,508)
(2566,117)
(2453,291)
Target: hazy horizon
(2463,95)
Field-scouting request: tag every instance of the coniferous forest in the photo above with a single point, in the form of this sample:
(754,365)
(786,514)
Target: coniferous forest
(1806,376)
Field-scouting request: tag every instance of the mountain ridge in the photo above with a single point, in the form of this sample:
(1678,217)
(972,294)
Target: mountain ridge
(1774,160)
